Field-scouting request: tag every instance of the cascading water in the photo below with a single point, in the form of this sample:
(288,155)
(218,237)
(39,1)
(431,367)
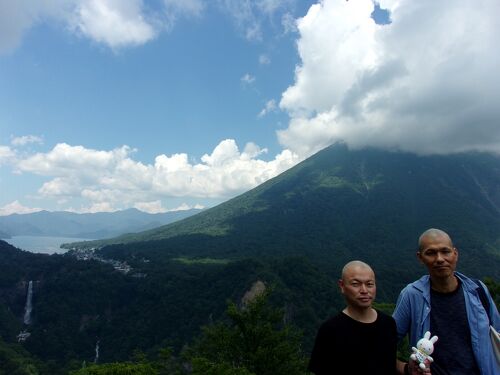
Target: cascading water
(96,352)
(29,306)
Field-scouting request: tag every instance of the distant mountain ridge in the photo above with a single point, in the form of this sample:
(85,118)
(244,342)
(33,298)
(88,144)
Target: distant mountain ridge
(86,225)
(342,204)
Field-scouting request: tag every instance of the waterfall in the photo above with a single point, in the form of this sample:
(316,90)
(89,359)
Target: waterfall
(96,352)
(29,306)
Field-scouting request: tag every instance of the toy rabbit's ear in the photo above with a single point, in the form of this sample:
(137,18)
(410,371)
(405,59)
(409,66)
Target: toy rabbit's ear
(434,339)
(427,335)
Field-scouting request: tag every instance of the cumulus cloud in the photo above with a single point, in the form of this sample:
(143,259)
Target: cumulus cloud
(16,207)
(116,23)
(422,83)
(26,139)
(109,180)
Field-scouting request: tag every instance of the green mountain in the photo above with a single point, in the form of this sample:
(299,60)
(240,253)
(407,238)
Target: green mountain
(342,204)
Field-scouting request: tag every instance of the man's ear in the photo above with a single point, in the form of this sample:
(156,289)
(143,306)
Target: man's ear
(419,257)
(340,283)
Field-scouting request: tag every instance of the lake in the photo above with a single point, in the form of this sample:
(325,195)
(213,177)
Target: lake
(44,245)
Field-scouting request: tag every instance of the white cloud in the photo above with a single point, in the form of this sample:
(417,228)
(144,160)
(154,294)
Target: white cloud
(26,139)
(250,15)
(247,79)
(116,23)
(96,207)
(270,6)
(124,23)
(269,107)
(243,14)
(109,180)
(6,155)
(16,207)
(289,23)
(423,83)
(64,160)
(153,207)
(186,207)
(15,18)
(174,9)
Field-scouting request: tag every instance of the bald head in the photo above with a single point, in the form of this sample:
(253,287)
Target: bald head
(353,265)
(433,234)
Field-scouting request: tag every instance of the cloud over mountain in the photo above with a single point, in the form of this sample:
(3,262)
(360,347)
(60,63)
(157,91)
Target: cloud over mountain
(423,83)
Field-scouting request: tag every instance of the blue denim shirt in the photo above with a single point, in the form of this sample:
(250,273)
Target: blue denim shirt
(412,315)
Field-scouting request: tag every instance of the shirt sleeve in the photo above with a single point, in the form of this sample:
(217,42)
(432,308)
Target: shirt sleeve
(402,314)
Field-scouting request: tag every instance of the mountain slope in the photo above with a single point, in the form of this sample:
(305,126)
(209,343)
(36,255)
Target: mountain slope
(340,204)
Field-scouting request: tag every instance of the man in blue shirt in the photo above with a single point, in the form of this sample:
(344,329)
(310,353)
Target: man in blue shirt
(448,304)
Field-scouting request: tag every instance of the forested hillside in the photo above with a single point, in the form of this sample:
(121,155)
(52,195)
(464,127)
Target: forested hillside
(77,303)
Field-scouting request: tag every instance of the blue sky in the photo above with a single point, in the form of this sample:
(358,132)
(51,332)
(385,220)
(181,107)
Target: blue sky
(170,104)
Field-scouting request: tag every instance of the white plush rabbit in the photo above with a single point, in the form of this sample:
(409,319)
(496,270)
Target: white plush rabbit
(424,349)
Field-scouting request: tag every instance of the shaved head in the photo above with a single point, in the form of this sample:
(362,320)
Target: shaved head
(354,264)
(432,234)
(357,285)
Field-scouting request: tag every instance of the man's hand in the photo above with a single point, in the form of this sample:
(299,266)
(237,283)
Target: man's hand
(414,368)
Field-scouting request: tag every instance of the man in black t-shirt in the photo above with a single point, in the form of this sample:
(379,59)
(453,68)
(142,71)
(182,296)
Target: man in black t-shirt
(359,340)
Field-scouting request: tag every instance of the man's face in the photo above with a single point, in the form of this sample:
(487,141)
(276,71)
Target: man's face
(439,256)
(358,287)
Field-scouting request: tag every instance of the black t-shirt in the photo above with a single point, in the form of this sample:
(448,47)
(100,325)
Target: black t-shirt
(453,353)
(346,346)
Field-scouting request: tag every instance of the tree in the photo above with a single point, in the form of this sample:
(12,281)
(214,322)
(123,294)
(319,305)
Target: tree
(253,341)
